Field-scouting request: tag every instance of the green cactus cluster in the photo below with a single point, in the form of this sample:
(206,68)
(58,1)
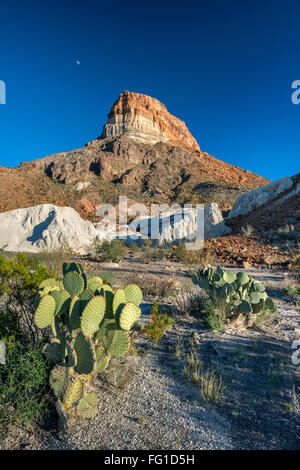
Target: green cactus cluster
(243,295)
(90,324)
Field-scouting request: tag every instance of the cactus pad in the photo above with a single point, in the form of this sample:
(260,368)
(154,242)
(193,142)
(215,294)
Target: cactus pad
(92,315)
(86,407)
(75,312)
(130,313)
(59,380)
(102,360)
(75,267)
(62,301)
(258,287)
(45,311)
(55,350)
(73,392)
(51,282)
(133,294)
(73,283)
(85,297)
(72,358)
(86,359)
(242,278)
(109,297)
(103,328)
(116,341)
(229,277)
(119,301)
(94,283)
(245,307)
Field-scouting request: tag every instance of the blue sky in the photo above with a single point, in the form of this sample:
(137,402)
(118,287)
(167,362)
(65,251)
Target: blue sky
(224,67)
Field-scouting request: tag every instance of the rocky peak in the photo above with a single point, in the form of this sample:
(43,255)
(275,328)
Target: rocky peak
(147,120)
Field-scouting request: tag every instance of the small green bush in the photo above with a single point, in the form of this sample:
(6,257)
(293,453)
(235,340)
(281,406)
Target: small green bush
(24,394)
(20,278)
(155,253)
(290,290)
(213,322)
(181,255)
(112,251)
(158,324)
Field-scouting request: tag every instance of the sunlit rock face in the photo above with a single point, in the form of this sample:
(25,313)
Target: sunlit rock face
(147,120)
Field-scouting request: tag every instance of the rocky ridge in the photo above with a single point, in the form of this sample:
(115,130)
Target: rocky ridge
(146,119)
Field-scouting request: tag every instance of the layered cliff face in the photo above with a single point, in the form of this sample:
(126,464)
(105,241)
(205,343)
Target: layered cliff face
(147,120)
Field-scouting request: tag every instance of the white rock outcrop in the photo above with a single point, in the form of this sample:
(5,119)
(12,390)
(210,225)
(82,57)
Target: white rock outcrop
(45,228)
(182,226)
(246,203)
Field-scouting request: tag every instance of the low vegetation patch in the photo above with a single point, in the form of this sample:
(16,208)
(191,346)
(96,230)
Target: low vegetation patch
(20,278)
(209,381)
(111,251)
(154,287)
(24,391)
(290,290)
(157,325)
(181,255)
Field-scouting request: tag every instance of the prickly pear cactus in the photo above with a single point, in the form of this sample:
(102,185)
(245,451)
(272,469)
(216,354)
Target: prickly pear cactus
(246,298)
(90,324)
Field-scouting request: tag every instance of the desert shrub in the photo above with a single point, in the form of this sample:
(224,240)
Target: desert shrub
(182,255)
(24,396)
(111,251)
(157,325)
(247,230)
(91,323)
(191,303)
(20,278)
(155,253)
(147,243)
(295,262)
(154,287)
(213,322)
(290,290)
(211,311)
(53,260)
(134,247)
(236,298)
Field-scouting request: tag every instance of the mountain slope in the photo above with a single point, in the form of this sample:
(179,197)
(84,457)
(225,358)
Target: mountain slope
(144,153)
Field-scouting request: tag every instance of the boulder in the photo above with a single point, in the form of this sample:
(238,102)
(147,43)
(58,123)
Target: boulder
(246,203)
(45,228)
